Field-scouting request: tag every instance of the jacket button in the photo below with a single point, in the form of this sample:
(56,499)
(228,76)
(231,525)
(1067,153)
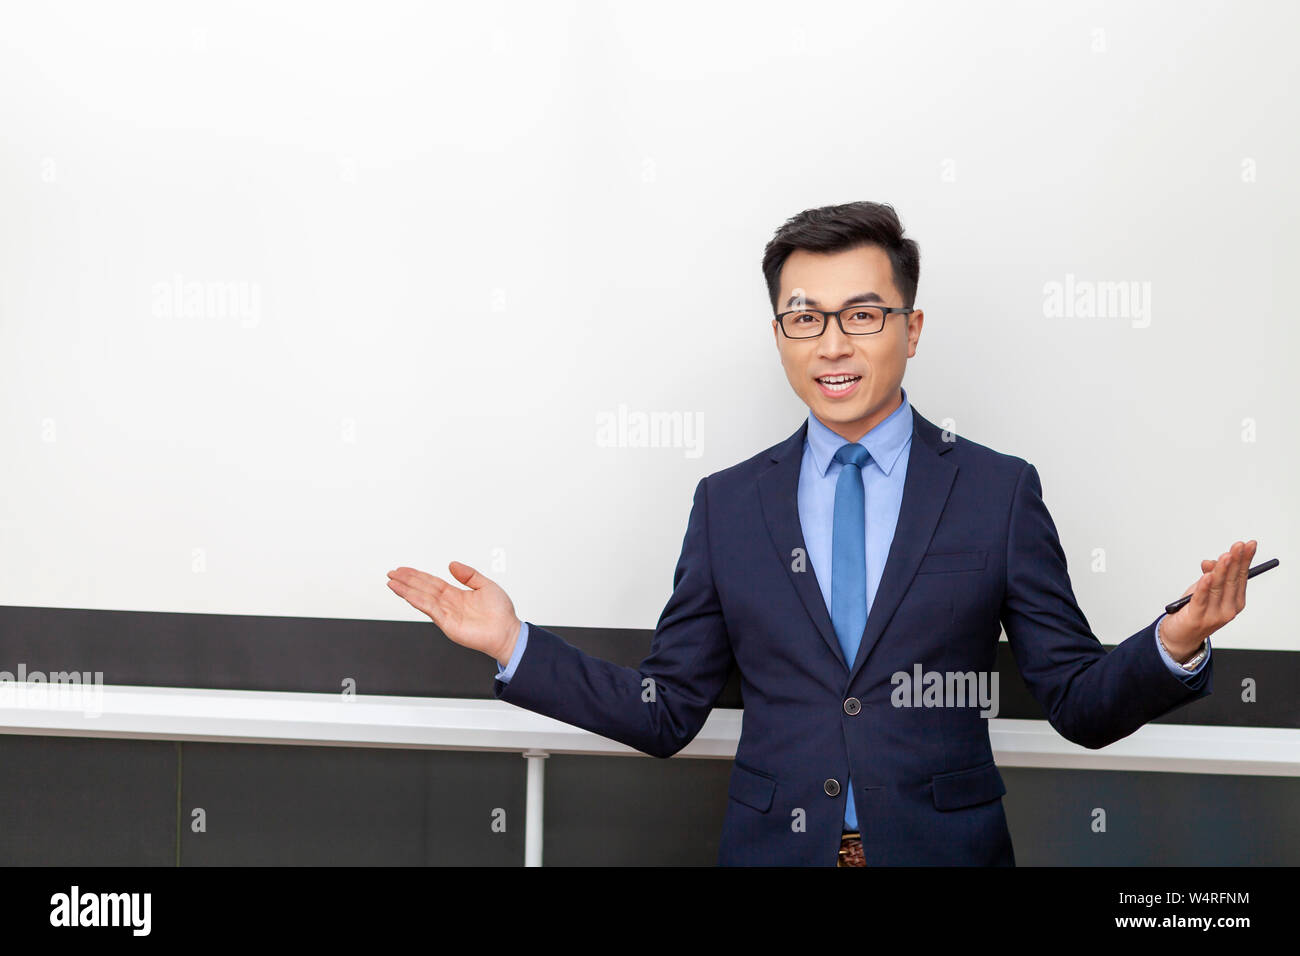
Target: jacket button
(832,787)
(852,706)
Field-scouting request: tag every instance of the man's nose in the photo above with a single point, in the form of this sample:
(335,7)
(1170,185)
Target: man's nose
(835,341)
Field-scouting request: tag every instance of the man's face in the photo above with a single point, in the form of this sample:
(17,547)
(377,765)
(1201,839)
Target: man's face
(830,281)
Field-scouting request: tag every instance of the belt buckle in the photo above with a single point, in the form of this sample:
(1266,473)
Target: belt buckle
(845,858)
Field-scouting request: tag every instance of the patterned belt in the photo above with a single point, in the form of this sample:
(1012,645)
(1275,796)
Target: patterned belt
(851,849)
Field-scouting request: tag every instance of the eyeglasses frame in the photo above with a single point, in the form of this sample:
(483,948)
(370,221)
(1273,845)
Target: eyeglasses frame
(887,309)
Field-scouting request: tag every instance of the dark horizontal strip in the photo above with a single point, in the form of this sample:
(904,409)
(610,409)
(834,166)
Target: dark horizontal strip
(406,658)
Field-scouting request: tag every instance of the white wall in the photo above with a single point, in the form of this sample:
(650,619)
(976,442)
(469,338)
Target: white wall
(407,199)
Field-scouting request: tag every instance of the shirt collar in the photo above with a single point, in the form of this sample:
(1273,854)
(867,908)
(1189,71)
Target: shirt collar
(884,442)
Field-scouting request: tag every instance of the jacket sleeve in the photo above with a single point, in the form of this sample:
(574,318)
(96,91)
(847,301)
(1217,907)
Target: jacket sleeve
(659,706)
(1091,697)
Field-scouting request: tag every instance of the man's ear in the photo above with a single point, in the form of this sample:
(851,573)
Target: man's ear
(914,323)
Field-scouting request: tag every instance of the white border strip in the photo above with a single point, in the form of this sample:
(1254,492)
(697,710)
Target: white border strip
(446,723)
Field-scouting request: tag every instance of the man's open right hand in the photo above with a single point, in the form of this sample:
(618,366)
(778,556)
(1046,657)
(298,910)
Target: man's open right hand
(482,618)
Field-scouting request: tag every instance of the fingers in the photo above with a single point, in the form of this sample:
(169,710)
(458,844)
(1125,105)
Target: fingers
(1227,591)
(424,592)
(435,587)
(1219,594)
(430,593)
(467,575)
(1216,579)
(420,600)
(1207,592)
(1227,604)
(1200,592)
(1234,581)
(420,580)
(1247,556)
(1220,581)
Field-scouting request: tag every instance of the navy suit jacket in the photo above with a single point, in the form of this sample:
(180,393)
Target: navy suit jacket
(975,548)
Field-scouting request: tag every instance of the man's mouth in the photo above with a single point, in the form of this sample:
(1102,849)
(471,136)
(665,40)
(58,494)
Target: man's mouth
(835,385)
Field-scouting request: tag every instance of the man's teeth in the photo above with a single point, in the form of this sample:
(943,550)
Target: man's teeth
(838,383)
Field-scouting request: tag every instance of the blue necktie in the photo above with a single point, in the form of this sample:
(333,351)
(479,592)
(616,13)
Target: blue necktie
(849,570)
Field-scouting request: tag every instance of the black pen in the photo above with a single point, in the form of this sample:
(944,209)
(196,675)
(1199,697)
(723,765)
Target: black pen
(1257,569)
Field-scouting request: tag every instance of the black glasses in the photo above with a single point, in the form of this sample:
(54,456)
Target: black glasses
(853,320)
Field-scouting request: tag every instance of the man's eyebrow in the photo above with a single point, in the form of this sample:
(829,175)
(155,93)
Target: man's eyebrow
(862,298)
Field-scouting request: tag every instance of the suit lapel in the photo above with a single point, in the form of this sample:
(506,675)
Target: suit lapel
(929,480)
(778,493)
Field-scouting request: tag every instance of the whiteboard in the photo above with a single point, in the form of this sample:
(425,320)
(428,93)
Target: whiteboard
(294,294)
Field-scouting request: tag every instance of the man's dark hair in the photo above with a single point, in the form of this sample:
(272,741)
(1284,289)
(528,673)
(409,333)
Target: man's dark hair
(836,228)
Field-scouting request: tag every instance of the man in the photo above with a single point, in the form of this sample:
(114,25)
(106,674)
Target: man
(869,544)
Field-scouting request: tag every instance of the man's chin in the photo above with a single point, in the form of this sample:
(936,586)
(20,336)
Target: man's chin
(843,414)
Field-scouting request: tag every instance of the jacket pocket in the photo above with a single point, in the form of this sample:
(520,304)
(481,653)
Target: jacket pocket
(751,788)
(965,788)
(953,561)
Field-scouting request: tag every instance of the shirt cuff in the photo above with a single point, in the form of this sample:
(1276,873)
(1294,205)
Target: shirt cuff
(1178,670)
(505,673)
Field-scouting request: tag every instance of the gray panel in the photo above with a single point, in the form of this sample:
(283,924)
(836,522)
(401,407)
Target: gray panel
(78,802)
(70,801)
(1152,819)
(623,811)
(634,811)
(323,806)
